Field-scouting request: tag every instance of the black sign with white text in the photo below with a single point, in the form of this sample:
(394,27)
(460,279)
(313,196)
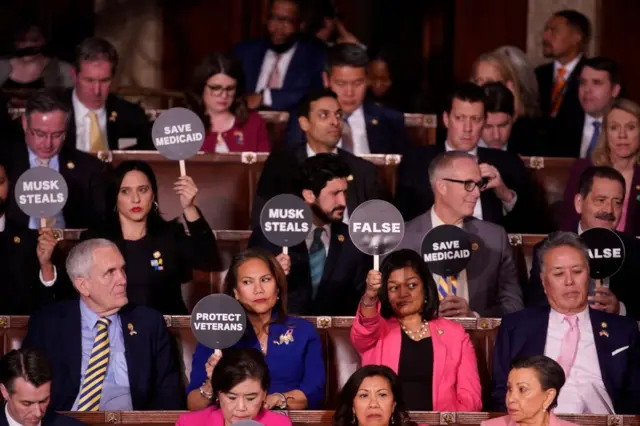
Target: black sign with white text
(446,250)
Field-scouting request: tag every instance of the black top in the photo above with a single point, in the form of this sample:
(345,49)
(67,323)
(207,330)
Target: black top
(415,372)
(35,84)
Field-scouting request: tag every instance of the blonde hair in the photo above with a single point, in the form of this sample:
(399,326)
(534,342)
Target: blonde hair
(601,155)
(526,76)
(507,74)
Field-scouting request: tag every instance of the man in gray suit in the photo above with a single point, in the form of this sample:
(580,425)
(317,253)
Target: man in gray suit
(488,287)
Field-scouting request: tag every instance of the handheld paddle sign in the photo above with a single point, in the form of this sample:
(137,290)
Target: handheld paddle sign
(376,228)
(178,134)
(606,252)
(41,192)
(218,321)
(446,249)
(285,221)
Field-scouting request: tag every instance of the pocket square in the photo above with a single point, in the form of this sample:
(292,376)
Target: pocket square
(617,351)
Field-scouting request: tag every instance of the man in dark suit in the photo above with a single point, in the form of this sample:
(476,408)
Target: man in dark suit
(320,117)
(599,203)
(44,125)
(599,351)
(100,120)
(566,36)
(25,383)
(141,372)
(505,200)
(281,67)
(327,272)
(488,286)
(369,128)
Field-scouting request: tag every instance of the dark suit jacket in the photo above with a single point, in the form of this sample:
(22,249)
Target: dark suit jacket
(125,120)
(570,117)
(386,133)
(343,279)
(304,71)
(281,169)
(569,218)
(84,176)
(154,373)
(623,284)
(524,334)
(414,195)
(50,419)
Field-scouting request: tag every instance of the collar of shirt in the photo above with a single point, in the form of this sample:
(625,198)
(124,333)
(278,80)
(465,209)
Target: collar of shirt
(569,67)
(589,120)
(3,223)
(10,419)
(483,144)
(91,318)
(436,221)
(556,318)
(580,231)
(473,152)
(81,111)
(34,161)
(325,237)
(312,153)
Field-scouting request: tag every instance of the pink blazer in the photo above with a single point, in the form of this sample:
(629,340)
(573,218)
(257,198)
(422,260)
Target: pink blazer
(507,421)
(213,417)
(456,384)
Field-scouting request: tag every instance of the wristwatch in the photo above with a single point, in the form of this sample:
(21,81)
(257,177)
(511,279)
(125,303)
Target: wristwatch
(283,403)
(205,394)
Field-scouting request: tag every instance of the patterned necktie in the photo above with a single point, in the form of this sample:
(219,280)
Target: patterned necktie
(96,372)
(317,257)
(347,136)
(594,138)
(557,95)
(569,347)
(274,77)
(447,287)
(96,142)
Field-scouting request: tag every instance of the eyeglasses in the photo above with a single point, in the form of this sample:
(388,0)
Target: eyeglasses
(218,89)
(470,185)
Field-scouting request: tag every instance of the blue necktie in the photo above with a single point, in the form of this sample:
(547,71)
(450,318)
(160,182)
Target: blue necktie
(594,138)
(317,256)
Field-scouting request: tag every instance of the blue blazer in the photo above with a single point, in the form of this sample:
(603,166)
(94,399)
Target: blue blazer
(386,133)
(524,334)
(153,371)
(297,365)
(304,72)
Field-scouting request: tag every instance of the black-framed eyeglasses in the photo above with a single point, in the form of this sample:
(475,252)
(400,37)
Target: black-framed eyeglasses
(218,89)
(470,185)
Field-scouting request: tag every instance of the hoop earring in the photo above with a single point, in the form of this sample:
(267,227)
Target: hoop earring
(392,419)
(156,207)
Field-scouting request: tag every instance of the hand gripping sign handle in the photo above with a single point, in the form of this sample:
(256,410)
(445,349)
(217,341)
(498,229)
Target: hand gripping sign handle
(183,168)
(43,222)
(376,262)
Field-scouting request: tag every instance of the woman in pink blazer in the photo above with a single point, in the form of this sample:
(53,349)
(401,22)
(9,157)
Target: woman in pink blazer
(240,382)
(397,326)
(532,392)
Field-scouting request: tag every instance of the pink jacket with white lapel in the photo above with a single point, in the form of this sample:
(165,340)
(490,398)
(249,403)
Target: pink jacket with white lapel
(456,384)
(213,417)
(508,421)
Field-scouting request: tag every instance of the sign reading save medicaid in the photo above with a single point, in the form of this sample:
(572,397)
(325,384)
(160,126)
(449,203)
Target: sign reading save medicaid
(41,192)
(178,133)
(285,220)
(606,252)
(218,321)
(446,249)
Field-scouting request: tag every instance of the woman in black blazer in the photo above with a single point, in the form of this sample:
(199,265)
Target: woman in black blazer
(159,255)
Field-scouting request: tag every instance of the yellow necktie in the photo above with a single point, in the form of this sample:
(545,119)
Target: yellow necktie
(96,142)
(96,372)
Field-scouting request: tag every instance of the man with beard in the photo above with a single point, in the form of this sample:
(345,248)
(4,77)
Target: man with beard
(326,273)
(599,204)
(281,67)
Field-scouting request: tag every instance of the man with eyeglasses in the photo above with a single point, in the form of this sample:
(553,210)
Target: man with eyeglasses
(488,286)
(281,67)
(505,200)
(44,123)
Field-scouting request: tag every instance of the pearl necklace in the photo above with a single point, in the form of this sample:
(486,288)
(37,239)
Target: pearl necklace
(417,335)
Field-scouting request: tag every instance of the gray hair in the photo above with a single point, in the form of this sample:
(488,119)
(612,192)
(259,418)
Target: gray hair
(80,259)
(560,239)
(444,161)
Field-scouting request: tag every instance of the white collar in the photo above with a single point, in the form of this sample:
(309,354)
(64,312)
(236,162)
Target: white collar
(580,231)
(473,151)
(312,153)
(358,113)
(3,223)
(583,316)
(569,67)
(80,110)
(10,419)
(589,120)
(436,221)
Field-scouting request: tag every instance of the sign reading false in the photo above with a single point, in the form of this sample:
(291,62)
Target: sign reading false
(376,228)
(218,321)
(446,250)
(41,192)
(606,252)
(285,221)
(178,134)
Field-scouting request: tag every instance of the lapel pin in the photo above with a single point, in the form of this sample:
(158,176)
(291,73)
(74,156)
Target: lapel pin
(157,254)
(132,331)
(604,333)
(113,116)
(374,122)
(349,178)
(341,238)
(440,331)
(637,187)
(603,324)
(70,165)
(16,240)
(474,246)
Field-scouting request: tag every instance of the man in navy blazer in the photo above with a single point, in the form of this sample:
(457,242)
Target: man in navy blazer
(283,66)
(599,351)
(142,372)
(373,128)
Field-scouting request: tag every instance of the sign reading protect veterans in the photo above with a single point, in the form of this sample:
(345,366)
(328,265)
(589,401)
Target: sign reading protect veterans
(41,192)
(446,250)
(285,220)
(218,321)
(376,227)
(178,134)
(606,252)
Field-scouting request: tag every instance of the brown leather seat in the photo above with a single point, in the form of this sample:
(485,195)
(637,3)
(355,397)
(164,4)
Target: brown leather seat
(421,128)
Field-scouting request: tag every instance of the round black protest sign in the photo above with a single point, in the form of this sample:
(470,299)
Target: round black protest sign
(376,227)
(606,252)
(218,321)
(285,220)
(178,134)
(41,192)
(447,250)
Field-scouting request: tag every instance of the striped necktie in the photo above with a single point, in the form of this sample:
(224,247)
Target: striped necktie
(96,370)
(447,287)
(557,95)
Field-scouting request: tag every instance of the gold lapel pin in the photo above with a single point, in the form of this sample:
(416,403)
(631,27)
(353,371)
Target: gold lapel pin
(474,246)
(374,122)
(341,238)
(16,240)
(70,165)
(603,324)
(156,254)
(637,187)
(349,178)
(440,331)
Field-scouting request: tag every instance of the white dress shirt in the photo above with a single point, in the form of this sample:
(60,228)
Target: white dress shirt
(568,67)
(10,420)
(3,223)
(358,132)
(267,67)
(311,153)
(587,133)
(83,124)
(579,395)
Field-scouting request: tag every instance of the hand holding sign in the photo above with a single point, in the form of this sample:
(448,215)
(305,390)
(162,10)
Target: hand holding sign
(186,190)
(41,192)
(218,321)
(285,221)
(178,134)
